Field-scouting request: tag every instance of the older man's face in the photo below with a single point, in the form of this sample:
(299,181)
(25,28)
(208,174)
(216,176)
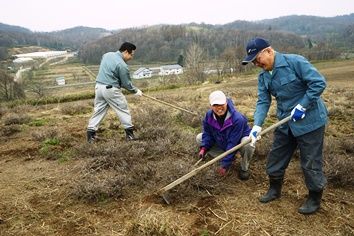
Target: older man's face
(265,59)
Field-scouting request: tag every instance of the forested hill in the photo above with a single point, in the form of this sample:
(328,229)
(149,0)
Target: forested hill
(312,25)
(167,42)
(314,37)
(9,28)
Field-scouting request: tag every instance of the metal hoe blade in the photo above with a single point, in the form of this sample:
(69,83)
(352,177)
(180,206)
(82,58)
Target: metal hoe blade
(166,197)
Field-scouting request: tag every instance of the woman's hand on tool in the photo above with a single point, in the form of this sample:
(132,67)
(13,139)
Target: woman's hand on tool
(202,153)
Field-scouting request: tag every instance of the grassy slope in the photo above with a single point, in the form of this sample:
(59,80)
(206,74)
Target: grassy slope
(73,188)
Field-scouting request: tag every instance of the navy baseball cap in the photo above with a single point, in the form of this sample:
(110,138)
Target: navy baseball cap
(254,47)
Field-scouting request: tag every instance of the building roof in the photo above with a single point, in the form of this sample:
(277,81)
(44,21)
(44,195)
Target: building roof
(170,67)
(141,69)
(22,59)
(42,54)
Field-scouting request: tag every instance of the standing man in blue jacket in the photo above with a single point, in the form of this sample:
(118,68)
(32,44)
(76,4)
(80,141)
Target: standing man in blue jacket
(225,128)
(113,75)
(297,86)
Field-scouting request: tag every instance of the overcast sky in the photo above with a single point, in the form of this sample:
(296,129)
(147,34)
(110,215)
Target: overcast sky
(47,15)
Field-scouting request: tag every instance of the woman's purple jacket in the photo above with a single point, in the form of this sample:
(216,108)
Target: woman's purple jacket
(235,127)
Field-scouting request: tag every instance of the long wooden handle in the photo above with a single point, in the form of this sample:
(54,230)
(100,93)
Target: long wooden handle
(197,170)
(168,104)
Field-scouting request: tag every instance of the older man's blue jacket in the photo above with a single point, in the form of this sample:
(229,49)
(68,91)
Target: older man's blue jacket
(293,81)
(235,127)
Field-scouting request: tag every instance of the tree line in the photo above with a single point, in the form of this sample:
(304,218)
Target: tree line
(167,44)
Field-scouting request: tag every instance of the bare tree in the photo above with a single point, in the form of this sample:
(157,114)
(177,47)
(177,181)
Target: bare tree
(38,87)
(5,85)
(195,57)
(232,58)
(9,89)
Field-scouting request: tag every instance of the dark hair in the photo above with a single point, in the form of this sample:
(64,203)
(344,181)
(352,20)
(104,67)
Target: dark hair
(127,46)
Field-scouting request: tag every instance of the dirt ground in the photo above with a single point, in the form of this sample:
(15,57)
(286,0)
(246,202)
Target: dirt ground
(36,193)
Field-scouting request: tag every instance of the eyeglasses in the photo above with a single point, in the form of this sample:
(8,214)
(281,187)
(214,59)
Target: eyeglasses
(131,54)
(256,60)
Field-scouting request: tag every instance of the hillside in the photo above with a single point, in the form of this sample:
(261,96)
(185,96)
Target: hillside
(10,28)
(311,25)
(52,182)
(69,39)
(166,42)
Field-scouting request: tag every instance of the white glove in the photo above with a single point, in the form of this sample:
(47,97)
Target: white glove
(139,93)
(253,135)
(298,113)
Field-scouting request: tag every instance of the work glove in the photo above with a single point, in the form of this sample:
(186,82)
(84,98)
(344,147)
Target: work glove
(139,93)
(221,171)
(253,135)
(298,113)
(202,153)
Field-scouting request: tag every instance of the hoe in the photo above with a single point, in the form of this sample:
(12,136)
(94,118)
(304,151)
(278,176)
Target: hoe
(163,191)
(168,104)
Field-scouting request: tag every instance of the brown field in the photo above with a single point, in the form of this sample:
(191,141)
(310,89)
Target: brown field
(54,183)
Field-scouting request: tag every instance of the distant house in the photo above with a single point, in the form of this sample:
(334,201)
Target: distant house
(22,60)
(142,73)
(171,69)
(60,81)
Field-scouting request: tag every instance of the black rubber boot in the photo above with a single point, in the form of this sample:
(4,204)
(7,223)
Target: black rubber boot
(274,191)
(244,175)
(130,134)
(91,136)
(312,203)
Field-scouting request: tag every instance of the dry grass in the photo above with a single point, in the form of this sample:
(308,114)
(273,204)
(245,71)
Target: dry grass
(54,183)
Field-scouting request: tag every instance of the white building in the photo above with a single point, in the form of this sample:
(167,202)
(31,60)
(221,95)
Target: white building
(22,60)
(41,54)
(142,73)
(60,81)
(171,69)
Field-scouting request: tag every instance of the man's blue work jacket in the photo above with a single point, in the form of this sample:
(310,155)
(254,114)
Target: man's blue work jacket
(235,127)
(115,71)
(293,81)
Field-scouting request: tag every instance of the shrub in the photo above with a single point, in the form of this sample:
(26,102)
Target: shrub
(76,109)
(53,141)
(98,187)
(36,123)
(45,134)
(15,118)
(166,147)
(338,165)
(9,129)
(3,110)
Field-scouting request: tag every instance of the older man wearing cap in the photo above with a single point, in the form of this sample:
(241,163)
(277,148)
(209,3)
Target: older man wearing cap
(225,128)
(297,87)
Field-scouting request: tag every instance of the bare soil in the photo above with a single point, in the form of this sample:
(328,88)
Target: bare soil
(39,194)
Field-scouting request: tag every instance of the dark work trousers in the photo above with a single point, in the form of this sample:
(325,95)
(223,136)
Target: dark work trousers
(106,97)
(310,144)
